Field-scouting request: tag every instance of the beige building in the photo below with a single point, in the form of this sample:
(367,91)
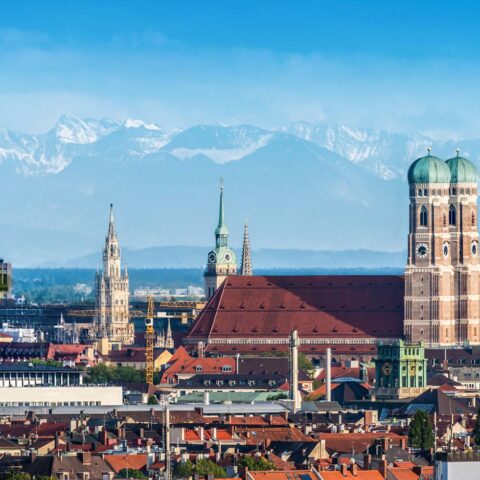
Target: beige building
(442,273)
(112,294)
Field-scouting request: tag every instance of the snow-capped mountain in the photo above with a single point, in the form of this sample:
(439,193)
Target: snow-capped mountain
(385,154)
(305,186)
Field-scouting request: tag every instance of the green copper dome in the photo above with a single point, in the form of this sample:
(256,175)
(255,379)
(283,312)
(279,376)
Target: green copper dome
(428,169)
(462,170)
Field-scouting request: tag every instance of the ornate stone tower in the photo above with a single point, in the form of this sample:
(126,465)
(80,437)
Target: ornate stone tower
(221,261)
(246,268)
(462,219)
(441,277)
(112,294)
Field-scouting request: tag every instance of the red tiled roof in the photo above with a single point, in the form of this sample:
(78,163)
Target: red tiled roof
(281,475)
(119,462)
(208,366)
(360,442)
(334,307)
(360,475)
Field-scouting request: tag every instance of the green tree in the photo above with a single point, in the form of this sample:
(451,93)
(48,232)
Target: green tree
(101,373)
(305,365)
(183,469)
(152,400)
(131,473)
(205,466)
(420,432)
(256,463)
(16,475)
(476,429)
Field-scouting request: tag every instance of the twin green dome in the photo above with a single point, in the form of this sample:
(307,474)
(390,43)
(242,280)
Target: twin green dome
(431,169)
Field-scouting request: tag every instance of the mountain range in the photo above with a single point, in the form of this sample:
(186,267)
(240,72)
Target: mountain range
(304,187)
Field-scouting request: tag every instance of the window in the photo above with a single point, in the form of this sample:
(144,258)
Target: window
(452,216)
(444,220)
(226,368)
(423,216)
(198,368)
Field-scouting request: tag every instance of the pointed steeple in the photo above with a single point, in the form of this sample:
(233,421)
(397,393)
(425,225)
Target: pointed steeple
(246,268)
(111,223)
(221,232)
(168,336)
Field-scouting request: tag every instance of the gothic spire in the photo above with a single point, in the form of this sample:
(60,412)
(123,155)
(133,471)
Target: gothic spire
(168,336)
(111,223)
(246,268)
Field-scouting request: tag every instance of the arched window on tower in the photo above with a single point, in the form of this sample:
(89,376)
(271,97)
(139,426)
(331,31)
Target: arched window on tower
(452,216)
(423,216)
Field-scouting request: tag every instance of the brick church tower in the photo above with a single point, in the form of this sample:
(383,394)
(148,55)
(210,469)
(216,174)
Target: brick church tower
(442,273)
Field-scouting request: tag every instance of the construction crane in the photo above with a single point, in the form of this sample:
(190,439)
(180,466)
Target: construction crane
(149,341)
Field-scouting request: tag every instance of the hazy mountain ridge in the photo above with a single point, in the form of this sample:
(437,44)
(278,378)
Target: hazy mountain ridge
(177,256)
(306,187)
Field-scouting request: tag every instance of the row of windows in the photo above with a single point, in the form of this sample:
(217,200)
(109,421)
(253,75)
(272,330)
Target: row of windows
(451,191)
(452,217)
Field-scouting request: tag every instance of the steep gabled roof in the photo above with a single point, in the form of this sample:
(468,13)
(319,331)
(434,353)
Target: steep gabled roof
(337,307)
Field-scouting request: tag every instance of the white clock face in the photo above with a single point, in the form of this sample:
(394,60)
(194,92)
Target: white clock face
(445,249)
(474,248)
(212,257)
(422,250)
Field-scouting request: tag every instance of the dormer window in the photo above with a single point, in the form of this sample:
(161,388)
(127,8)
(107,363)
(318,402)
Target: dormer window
(198,368)
(226,368)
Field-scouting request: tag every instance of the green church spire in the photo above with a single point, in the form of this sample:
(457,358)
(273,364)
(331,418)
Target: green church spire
(221,232)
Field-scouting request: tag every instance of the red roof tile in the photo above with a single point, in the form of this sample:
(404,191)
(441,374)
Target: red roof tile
(119,462)
(321,307)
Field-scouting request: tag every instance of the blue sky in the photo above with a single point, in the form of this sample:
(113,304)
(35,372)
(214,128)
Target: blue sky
(410,66)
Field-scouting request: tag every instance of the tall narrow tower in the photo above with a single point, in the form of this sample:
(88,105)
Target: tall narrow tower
(293,361)
(221,261)
(112,293)
(462,220)
(429,313)
(246,268)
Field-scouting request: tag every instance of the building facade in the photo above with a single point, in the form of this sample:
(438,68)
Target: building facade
(112,294)
(5,280)
(400,370)
(221,261)
(442,272)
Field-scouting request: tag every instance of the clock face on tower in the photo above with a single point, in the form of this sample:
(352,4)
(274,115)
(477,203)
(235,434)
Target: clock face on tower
(387,368)
(212,257)
(422,250)
(227,257)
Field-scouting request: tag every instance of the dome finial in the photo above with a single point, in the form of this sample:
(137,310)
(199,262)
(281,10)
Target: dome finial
(458,152)
(429,150)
